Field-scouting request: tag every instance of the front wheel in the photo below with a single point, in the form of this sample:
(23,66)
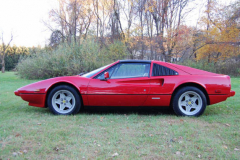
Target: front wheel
(189,101)
(64,100)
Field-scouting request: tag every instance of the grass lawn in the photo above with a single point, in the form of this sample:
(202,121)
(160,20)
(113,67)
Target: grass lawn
(115,133)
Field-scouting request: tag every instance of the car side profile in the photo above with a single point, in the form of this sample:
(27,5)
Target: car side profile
(131,83)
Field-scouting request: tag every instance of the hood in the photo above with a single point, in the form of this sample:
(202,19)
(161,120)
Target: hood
(42,86)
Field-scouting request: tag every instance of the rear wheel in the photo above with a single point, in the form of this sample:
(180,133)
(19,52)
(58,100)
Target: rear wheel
(64,100)
(189,101)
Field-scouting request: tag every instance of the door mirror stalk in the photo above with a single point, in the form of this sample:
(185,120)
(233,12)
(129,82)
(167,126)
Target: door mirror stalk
(106,76)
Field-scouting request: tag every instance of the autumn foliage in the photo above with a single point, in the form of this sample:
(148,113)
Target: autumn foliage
(220,38)
(148,29)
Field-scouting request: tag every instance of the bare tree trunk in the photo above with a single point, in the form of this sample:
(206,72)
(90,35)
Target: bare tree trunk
(75,22)
(168,58)
(141,9)
(163,23)
(141,21)
(3,52)
(208,25)
(97,20)
(3,65)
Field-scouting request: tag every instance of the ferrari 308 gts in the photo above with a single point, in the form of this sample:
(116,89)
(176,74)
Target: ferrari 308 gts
(131,83)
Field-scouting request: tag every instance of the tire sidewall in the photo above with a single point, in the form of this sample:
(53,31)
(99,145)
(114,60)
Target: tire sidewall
(178,94)
(70,89)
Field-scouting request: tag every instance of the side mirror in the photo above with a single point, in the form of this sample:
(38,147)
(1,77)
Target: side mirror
(106,75)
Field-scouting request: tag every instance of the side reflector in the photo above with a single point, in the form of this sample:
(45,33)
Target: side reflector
(218,91)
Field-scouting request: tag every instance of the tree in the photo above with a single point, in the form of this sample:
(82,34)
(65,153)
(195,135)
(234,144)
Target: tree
(56,38)
(168,16)
(13,55)
(3,51)
(128,10)
(102,10)
(147,28)
(220,38)
(185,42)
(73,18)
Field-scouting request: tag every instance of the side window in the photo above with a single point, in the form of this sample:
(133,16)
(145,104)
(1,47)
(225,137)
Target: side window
(159,70)
(130,70)
(110,71)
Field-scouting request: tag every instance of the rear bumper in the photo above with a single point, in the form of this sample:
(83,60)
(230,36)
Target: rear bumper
(219,98)
(232,93)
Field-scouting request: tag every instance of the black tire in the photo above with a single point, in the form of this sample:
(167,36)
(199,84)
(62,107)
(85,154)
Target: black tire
(64,100)
(189,101)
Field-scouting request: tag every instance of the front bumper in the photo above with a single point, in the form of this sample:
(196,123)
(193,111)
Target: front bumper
(16,93)
(33,99)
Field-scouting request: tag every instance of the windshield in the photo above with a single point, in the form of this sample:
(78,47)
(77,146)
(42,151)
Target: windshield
(90,74)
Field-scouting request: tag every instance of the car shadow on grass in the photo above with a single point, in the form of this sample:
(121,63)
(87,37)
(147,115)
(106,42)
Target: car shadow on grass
(167,111)
(128,110)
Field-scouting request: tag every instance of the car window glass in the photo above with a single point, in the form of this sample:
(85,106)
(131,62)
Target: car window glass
(110,71)
(129,70)
(159,70)
(90,74)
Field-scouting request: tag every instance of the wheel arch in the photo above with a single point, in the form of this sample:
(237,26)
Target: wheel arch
(193,85)
(62,83)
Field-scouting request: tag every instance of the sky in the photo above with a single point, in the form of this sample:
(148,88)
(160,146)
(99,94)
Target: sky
(24,19)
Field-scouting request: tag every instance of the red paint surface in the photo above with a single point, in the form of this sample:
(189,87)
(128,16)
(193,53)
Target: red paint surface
(37,100)
(142,91)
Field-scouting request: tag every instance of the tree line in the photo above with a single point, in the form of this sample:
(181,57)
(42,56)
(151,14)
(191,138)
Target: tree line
(148,29)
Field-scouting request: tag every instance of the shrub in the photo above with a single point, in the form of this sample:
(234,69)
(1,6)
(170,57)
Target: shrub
(114,51)
(13,55)
(202,64)
(65,60)
(69,59)
(230,67)
(11,61)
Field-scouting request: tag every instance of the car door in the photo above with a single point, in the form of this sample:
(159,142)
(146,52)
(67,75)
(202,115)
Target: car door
(128,85)
(162,82)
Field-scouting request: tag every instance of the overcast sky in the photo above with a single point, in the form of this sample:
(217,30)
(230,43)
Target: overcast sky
(23,18)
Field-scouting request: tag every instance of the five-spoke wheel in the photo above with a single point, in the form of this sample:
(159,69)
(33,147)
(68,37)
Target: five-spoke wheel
(189,101)
(64,100)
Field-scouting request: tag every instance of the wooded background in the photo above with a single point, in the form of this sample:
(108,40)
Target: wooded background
(140,29)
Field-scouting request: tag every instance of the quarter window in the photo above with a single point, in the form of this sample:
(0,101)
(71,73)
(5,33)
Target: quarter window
(159,70)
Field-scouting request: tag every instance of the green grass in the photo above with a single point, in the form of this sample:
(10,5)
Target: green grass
(138,133)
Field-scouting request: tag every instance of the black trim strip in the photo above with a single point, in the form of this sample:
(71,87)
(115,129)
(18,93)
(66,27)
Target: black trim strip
(32,93)
(134,61)
(131,94)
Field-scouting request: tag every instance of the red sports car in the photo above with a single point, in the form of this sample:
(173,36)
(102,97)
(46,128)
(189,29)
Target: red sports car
(131,83)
